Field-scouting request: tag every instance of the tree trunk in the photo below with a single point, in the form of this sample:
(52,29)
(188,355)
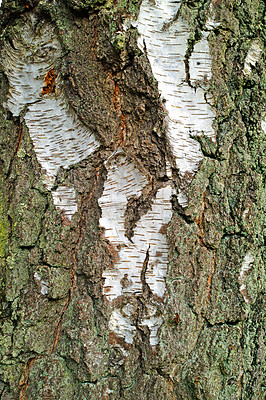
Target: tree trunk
(132,211)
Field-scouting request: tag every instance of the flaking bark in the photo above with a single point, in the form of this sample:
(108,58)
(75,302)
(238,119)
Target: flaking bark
(204,338)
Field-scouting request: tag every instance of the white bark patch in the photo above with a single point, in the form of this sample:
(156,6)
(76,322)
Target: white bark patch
(59,139)
(168,169)
(153,321)
(165,41)
(120,323)
(150,233)
(123,181)
(200,61)
(153,324)
(182,199)
(245,269)
(263,125)
(43,284)
(245,213)
(26,60)
(65,199)
(252,57)
(124,278)
(211,24)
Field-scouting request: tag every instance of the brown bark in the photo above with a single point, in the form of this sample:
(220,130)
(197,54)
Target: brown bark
(56,337)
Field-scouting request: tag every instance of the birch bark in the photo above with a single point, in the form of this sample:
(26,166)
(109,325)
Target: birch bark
(132,208)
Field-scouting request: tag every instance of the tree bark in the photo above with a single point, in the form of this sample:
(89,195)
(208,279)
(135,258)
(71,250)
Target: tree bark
(132,209)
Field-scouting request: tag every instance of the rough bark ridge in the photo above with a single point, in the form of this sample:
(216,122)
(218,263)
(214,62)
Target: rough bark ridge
(194,331)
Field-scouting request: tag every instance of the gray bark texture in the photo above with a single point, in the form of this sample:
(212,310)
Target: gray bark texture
(123,276)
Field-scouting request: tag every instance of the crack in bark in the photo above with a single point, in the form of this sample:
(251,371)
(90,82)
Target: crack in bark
(146,290)
(227,323)
(168,24)
(143,300)
(209,286)
(120,114)
(24,382)
(200,220)
(20,135)
(186,62)
(138,206)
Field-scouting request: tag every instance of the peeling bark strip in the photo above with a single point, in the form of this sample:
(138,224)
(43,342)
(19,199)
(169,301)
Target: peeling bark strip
(263,125)
(59,139)
(245,269)
(182,84)
(253,57)
(124,181)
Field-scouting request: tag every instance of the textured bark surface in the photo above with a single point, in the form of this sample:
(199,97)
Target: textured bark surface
(74,323)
